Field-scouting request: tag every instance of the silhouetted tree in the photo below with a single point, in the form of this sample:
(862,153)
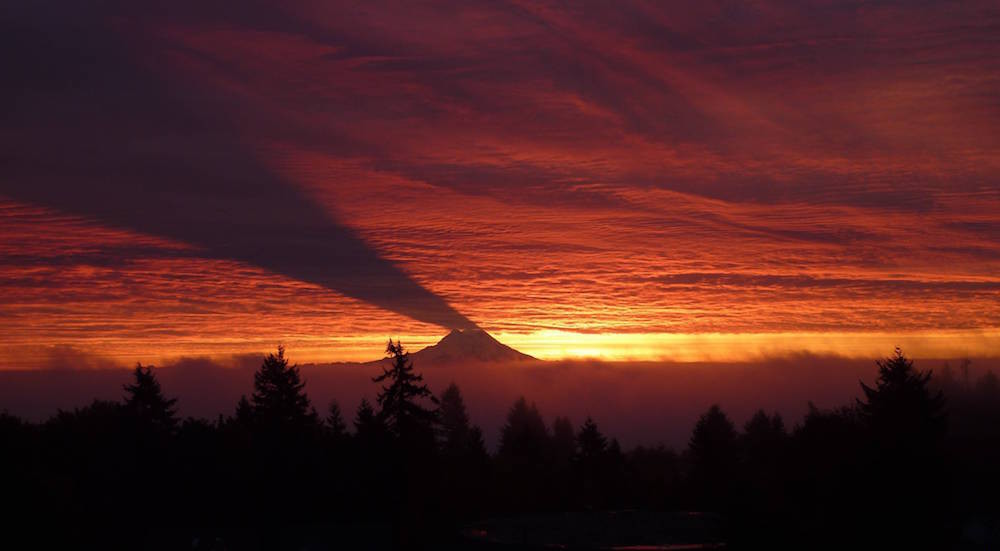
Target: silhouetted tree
(144,402)
(591,444)
(366,422)
(713,442)
(454,418)
(828,481)
(562,448)
(563,441)
(279,399)
(412,426)
(907,426)
(763,436)
(280,431)
(524,434)
(760,499)
(713,452)
(406,418)
(595,462)
(522,457)
(900,407)
(373,457)
(335,422)
(477,444)
(458,437)
(244,412)
(465,463)
(151,423)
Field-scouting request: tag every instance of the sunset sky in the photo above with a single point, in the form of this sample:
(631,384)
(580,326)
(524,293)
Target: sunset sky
(705,180)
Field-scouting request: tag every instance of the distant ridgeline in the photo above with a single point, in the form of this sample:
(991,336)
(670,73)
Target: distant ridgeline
(911,465)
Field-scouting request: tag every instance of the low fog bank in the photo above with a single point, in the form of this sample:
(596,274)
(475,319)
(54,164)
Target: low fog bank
(637,402)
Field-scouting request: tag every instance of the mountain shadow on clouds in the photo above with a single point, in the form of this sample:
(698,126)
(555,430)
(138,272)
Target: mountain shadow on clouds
(92,127)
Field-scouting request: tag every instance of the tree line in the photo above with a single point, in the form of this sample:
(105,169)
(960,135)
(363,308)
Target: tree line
(912,463)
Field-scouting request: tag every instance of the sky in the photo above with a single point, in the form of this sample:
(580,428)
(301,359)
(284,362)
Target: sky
(689,181)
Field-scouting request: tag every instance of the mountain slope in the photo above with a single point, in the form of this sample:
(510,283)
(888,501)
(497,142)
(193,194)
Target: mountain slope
(473,345)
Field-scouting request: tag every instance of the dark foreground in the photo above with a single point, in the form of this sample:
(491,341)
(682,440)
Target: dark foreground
(911,465)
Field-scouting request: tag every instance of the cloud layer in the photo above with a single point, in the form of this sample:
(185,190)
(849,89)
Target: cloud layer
(647,168)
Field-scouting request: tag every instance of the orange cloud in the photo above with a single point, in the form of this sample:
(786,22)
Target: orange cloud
(654,180)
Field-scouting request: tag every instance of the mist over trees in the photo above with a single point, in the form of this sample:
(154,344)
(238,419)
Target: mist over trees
(913,463)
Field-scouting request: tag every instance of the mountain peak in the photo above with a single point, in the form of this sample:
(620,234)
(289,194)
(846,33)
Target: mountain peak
(468,345)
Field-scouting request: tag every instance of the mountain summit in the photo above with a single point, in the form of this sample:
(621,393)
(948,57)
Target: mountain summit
(468,345)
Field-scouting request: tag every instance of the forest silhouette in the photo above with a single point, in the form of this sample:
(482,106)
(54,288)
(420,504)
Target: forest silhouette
(910,464)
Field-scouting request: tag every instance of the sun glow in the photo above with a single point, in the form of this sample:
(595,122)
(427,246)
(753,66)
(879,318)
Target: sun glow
(704,347)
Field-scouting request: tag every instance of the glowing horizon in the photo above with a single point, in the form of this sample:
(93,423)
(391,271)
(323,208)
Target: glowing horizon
(548,345)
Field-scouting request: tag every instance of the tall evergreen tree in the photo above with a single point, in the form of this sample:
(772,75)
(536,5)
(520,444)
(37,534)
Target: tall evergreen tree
(244,411)
(599,466)
(279,398)
(713,451)
(906,424)
(591,444)
(464,460)
(560,455)
(763,447)
(458,436)
(563,441)
(524,434)
(368,425)
(713,441)
(763,434)
(335,421)
(900,408)
(145,402)
(523,458)
(400,400)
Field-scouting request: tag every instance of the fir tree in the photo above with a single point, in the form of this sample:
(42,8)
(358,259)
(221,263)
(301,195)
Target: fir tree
(713,455)
(244,411)
(523,459)
(460,440)
(279,398)
(591,444)
(563,441)
(714,438)
(906,427)
(335,421)
(368,425)
(524,435)
(400,400)
(900,408)
(763,432)
(464,461)
(455,428)
(145,402)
